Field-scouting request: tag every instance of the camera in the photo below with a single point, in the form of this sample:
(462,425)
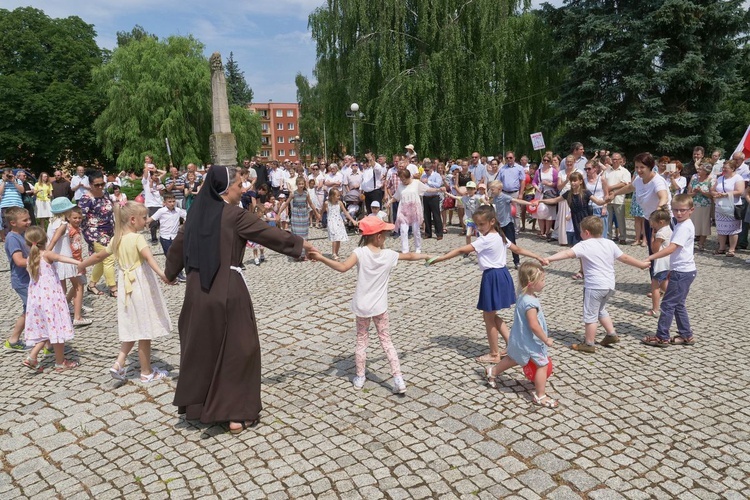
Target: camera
(671,167)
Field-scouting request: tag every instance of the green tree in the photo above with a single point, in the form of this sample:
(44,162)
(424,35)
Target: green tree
(137,33)
(238,91)
(645,76)
(155,89)
(47,101)
(246,129)
(430,73)
(310,118)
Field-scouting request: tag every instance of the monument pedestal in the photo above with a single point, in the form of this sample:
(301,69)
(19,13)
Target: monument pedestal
(223,147)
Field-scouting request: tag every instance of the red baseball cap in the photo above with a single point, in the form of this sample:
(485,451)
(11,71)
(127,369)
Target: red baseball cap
(373,225)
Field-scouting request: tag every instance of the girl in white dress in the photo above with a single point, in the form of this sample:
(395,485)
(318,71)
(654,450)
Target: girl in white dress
(336,230)
(59,243)
(141,309)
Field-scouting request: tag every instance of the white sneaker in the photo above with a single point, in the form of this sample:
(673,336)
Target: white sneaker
(399,386)
(358,382)
(257,262)
(418,250)
(86,309)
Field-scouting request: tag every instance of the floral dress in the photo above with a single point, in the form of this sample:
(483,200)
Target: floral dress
(47,315)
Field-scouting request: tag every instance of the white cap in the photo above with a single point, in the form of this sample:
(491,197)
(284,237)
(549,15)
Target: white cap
(409,146)
(375,204)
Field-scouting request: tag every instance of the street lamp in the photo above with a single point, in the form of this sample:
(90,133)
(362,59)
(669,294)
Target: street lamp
(355,115)
(300,145)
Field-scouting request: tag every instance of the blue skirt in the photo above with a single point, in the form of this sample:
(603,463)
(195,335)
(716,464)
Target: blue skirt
(496,291)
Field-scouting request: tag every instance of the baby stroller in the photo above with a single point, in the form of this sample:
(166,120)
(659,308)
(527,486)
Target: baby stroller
(353,205)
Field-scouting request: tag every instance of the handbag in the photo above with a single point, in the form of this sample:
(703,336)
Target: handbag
(448,203)
(728,208)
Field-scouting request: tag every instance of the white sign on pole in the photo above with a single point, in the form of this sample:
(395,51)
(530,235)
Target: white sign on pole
(537,140)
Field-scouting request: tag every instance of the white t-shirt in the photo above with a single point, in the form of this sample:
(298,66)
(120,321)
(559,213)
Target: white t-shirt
(681,260)
(382,215)
(373,270)
(646,194)
(78,184)
(413,169)
(664,234)
(491,251)
(598,257)
(615,177)
(169,221)
(152,195)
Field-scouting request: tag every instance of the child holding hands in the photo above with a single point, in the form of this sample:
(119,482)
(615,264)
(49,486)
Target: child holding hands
(682,272)
(370,302)
(598,257)
(141,310)
(496,291)
(528,342)
(47,316)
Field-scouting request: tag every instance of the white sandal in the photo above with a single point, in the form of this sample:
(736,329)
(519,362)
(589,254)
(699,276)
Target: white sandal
(119,372)
(156,374)
(545,401)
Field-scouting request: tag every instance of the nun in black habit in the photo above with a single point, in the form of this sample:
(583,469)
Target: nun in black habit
(220,365)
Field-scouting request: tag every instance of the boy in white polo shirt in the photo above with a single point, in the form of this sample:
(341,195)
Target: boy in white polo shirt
(682,272)
(376,212)
(598,256)
(168,218)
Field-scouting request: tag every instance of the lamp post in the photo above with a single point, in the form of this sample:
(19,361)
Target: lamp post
(300,146)
(355,115)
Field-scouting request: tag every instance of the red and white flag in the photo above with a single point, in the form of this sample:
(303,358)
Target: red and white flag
(744,145)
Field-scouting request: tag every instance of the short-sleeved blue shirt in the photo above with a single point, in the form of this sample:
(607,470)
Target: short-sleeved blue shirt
(14,242)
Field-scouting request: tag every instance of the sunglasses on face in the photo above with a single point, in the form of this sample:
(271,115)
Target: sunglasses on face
(587,169)
(98,185)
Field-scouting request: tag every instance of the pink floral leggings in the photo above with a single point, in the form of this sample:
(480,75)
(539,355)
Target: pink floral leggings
(360,354)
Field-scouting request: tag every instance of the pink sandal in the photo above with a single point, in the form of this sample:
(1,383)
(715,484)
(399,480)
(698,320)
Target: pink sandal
(66,365)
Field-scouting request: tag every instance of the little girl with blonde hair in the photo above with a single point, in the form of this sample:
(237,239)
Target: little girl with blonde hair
(141,309)
(47,316)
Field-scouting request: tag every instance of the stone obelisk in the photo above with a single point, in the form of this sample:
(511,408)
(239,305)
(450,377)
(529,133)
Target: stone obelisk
(222,143)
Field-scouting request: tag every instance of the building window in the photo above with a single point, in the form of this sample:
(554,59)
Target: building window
(264,127)
(279,113)
(290,126)
(290,113)
(263,113)
(265,153)
(292,152)
(280,139)
(264,140)
(281,153)
(279,126)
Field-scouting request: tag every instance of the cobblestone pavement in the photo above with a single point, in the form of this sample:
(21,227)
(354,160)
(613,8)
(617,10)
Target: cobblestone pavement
(633,421)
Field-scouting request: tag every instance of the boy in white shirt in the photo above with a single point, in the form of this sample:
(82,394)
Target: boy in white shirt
(168,218)
(375,211)
(598,256)
(682,272)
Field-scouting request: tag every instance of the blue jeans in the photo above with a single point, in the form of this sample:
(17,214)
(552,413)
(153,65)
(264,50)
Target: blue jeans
(673,305)
(605,219)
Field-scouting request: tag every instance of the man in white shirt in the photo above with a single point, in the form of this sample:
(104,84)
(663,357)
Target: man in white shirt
(372,181)
(617,176)
(152,191)
(79,183)
(577,150)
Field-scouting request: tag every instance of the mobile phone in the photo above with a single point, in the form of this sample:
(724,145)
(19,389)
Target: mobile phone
(671,167)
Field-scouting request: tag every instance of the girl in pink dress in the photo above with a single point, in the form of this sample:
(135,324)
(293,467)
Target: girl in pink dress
(47,316)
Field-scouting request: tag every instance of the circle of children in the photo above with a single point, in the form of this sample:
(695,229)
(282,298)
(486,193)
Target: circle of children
(577,201)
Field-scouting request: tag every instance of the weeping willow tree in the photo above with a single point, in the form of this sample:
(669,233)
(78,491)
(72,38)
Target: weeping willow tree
(162,88)
(432,73)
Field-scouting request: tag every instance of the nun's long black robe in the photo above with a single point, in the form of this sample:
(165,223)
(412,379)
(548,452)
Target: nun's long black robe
(220,366)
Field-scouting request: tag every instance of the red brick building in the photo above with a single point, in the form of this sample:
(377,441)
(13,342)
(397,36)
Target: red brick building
(279,122)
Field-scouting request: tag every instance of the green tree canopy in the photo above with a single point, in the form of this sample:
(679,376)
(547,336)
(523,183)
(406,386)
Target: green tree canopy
(157,89)
(434,74)
(246,129)
(646,76)
(238,92)
(47,101)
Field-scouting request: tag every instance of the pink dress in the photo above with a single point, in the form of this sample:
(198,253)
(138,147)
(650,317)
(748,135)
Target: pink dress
(47,316)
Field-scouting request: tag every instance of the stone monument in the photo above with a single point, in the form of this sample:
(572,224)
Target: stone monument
(222,142)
